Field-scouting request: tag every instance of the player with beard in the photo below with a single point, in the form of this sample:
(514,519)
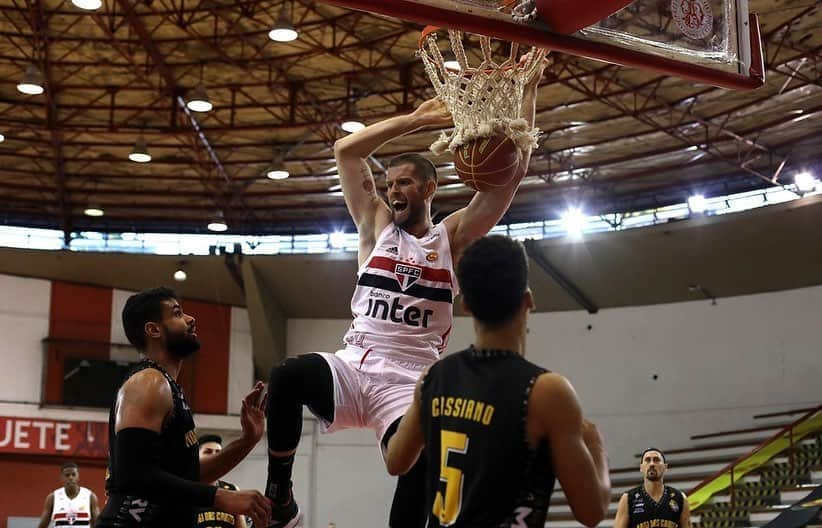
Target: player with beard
(653,505)
(402,306)
(155,477)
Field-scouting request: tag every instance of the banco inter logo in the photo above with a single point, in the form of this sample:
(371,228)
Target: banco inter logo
(407,275)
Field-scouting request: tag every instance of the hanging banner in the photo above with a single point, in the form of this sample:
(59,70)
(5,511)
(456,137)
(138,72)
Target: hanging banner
(34,436)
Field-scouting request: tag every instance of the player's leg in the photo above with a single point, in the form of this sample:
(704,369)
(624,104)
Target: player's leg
(298,381)
(408,509)
(391,391)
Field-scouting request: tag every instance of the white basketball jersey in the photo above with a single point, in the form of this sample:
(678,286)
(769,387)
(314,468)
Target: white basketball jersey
(403,301)
(71,512)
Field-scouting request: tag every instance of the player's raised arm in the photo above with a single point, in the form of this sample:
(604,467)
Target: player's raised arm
(486,208)
(578,456)
(405,446)
(369,212)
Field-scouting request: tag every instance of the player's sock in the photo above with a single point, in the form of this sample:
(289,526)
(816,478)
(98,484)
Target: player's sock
(279,478)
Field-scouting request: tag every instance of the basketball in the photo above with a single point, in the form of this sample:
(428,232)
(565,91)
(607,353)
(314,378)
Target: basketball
(485,164)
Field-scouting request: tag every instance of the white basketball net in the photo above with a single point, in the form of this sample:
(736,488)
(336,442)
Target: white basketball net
(484,100)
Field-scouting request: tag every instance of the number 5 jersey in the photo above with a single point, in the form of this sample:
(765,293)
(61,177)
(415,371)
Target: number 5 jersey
(482,470)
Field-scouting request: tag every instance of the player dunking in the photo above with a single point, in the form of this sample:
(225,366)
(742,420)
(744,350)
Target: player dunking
(402,305)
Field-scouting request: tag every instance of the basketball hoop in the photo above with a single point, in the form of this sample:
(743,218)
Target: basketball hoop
(484,100)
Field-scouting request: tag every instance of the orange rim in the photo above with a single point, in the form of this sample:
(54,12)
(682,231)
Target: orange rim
(427,30)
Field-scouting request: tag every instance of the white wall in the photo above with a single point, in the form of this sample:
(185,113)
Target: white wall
(240,359)
(717,366)
(352,486)
(24,323)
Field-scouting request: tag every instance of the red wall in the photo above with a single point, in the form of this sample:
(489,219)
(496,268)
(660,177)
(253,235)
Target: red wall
(25,482)
(205,375)
(81,314)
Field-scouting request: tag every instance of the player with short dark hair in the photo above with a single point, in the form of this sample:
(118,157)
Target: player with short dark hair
(496,428)
(155,477)
(71,504)
(653,504)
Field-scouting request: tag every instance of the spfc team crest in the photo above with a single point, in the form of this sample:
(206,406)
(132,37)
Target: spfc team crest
(407,275)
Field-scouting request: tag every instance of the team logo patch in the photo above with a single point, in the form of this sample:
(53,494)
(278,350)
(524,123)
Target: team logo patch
(407,275)
(674,506)
(431,257)
(693,17)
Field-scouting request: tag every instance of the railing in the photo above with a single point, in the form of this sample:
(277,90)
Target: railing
(785,439)
(792,412)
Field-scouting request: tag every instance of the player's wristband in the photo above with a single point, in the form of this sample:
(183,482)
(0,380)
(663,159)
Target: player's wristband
(137,470)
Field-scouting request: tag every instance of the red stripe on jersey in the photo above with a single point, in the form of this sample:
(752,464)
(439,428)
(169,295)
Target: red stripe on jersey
(429,274)
(444,338)
(78,515)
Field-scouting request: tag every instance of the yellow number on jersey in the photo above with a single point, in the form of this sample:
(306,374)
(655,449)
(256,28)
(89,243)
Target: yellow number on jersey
(448,508)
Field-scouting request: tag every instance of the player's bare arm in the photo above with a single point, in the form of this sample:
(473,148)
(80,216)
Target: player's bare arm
(48,507)
(486,209)
(621,519)
(144,401)
(95,509)
(685,516)
(405,446)
(577,454)
(369,213)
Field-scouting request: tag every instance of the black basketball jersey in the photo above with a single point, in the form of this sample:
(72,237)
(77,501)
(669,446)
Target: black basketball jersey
(211,518)
(644,512)
(481,471)
(179,456)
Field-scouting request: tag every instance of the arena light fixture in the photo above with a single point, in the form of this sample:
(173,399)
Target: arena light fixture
(93,210)
(805,182)
(2,138)
(337,239)
(180,274)
(352,122)
(450,61)
(199,101)
(284,30)
(574,221)
(277,174)
(32,81)
(697,203)
(352,125)
(139,153)
(217,224)
(88,5)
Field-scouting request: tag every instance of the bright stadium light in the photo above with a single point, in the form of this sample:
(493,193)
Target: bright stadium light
(805,182)
(574,221)
(697,203)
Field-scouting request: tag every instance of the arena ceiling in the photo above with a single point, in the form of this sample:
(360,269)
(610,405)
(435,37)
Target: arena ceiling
(614,138)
